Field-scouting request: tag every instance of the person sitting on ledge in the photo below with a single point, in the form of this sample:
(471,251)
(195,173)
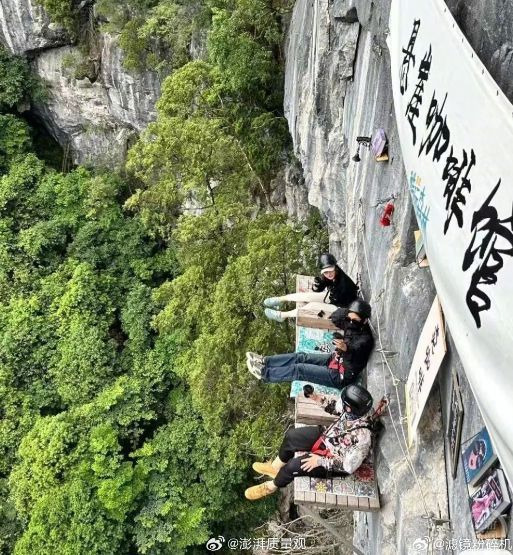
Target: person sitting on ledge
(338,369)
(333,287)
(338,450)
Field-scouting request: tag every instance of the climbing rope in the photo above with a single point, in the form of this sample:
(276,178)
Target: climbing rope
(384,362)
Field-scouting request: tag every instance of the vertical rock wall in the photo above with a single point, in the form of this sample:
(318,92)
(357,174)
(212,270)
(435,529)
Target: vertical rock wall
(317,73)
(337,88)
(131,98)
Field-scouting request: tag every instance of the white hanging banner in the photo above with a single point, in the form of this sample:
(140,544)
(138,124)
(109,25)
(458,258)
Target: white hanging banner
(456,132)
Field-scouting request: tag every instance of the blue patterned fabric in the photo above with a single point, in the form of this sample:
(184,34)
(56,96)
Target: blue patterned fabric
(311,340)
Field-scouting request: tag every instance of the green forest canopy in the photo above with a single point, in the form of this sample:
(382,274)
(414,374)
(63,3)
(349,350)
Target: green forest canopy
(128,420)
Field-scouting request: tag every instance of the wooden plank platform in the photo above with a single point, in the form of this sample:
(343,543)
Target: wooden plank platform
(311,339)
(304,284)
(358,492)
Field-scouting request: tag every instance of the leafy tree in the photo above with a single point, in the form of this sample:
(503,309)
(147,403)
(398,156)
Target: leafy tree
(14,139)
(60,11)
(64,490)
(70,521)
(243,43)
(9,526)
(15,81)
(154,34)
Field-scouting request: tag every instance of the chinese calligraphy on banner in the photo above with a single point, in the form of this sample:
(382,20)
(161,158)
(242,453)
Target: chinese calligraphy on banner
(430,352)
(456,133)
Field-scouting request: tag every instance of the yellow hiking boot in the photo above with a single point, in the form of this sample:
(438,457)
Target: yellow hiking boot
(265,468)
(262,490)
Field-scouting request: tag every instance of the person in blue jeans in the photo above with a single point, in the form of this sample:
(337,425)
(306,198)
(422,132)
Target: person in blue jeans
(308,367)
(338,369)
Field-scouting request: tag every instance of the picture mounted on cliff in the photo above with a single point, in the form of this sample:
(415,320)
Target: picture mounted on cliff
(489,501)
(478,457)
(455,423)
(456,129)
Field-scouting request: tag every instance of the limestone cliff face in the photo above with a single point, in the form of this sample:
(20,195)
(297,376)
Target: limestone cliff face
(321,54)
(94,113)
(338,87)
(26,27)
(131,97)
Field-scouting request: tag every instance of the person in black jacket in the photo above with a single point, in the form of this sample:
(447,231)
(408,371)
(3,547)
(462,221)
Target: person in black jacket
(353,348)
(332,287)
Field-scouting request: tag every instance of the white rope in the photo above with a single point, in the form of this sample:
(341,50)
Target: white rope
(384,362)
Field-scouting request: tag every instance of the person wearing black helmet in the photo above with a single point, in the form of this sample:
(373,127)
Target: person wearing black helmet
(353,348)
(332,287)
(338,450)
(340,288)
(353,351)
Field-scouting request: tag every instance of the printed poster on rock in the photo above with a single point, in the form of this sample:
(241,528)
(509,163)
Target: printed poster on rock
(456,135)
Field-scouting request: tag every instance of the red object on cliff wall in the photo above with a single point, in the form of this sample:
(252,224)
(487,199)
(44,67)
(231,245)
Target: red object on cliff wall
(386,217)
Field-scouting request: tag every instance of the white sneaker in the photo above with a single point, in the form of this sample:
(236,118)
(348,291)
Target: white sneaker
(274,315)
(255,368)
(254,357)
(272,302)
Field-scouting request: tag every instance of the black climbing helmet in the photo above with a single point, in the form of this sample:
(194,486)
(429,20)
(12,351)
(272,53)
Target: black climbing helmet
(360,307)
(326,260)
(358,398)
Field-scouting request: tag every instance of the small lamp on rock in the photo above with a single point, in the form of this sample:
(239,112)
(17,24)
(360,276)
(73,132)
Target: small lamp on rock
(362,141)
